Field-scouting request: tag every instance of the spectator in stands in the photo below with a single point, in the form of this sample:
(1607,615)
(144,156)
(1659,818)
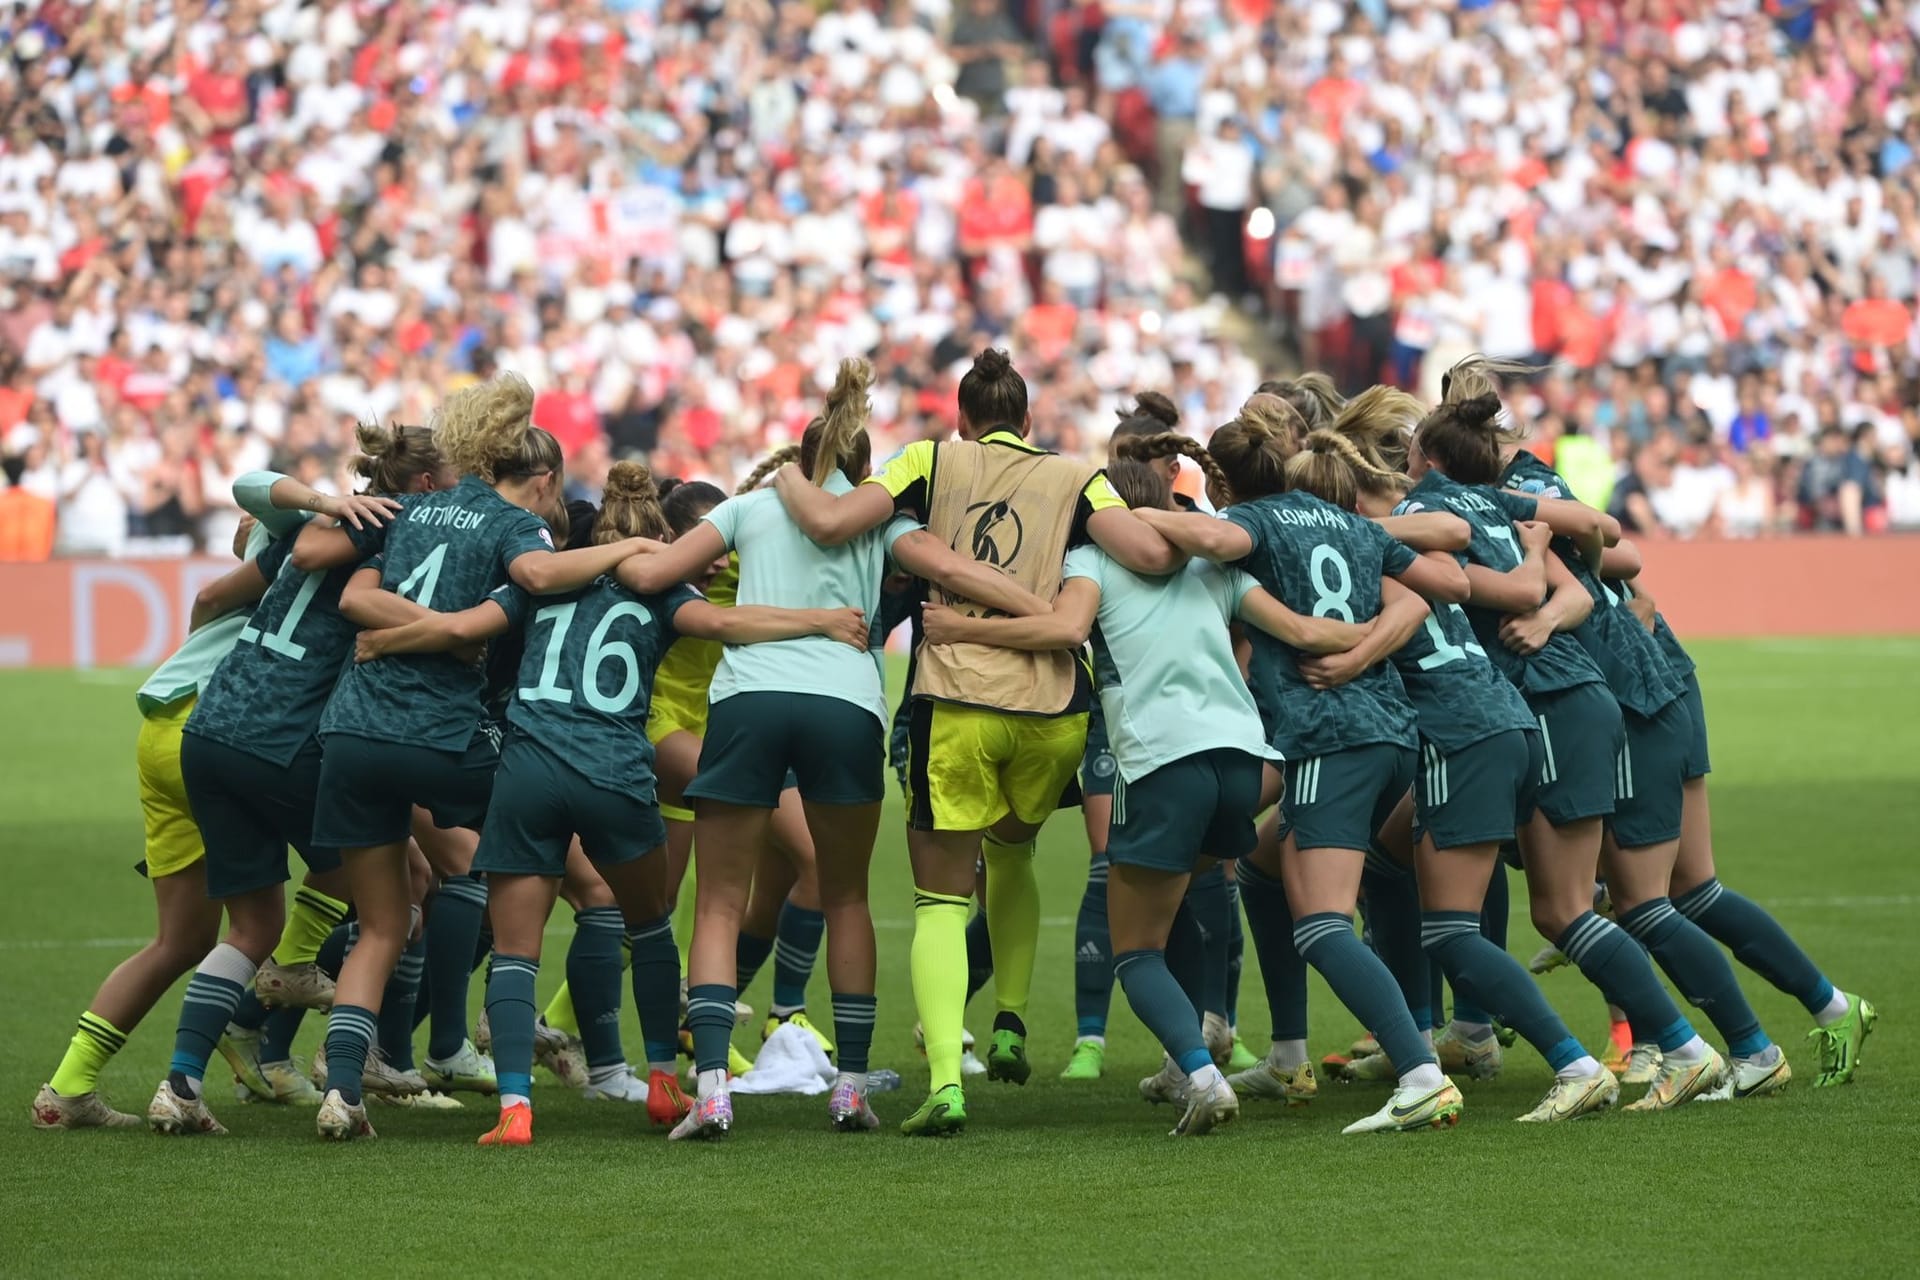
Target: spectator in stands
(26,518)
(1833,488)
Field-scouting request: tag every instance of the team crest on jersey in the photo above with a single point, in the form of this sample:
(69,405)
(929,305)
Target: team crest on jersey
(997,533)
(1104,765)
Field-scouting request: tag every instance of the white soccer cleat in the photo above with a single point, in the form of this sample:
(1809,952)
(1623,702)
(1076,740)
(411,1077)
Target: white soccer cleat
(468,1071)
(1207,1110)
(1678,1083)
(241,1049)
(1643,1065)
(1749,1079)
(1411,1109)
(1375,1068)
(847,1109)
(289,1085)
(342,1121)
(297,986)
(1218,1037)
(1265,1082)
(82,1111)
(170,1113)
(1168,1085)
(1479,1059)
(560,1053)
(1571,1099)
(380,1079)
(625,1087)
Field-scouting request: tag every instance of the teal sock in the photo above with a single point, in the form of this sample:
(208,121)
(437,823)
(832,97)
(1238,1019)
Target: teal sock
(510,1013)
(796,944)
(853,1019)
(1757,941)
(1614,963)
(1283,972)
(1493,927)
(594,961)
(749,953)
(453,930)
(710,1017)
(1236,951)
(1158,1001)
(249,1014)
(1092,954)
(213,994)
(350,1032)
(1496,981)
(1186,956)
(1393,912)
(1362,982)
(656,986)
(1700,969)
(396,1006)
(1207,894)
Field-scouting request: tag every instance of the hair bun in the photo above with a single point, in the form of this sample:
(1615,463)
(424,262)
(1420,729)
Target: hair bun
(992,363)
(630,482)
(1156,404)
(377,441)
(1478,411)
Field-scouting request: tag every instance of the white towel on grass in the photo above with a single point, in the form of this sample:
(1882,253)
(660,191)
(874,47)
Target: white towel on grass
(791,1061)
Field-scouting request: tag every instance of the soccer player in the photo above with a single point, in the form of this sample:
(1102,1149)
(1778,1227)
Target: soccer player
(576,761)
(995,734)
(809,707)
(410,729)
(1350,750)
(1189,746)
(189,923)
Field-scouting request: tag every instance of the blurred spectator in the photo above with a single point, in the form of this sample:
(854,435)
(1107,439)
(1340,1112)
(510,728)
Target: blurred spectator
(1833,488)
(26,518)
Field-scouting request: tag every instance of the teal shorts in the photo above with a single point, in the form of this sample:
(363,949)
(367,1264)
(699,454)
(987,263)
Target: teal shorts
(1477,794)
(1199,804)
(1339,800)
(1698,763)
(759,743)
(1650,777)
(368,788)
(1580,737)
(249,811)
(540,803)
(1098,769)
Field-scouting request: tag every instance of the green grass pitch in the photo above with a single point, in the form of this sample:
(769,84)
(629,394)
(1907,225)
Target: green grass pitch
(1817,799)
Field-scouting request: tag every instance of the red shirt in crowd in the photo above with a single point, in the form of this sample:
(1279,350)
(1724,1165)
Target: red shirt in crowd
(1731,294)
(569,416)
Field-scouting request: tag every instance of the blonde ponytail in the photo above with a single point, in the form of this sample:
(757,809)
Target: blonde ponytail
(1331,469)
(1135,448)
(630,507)
(845,418)
(767,466)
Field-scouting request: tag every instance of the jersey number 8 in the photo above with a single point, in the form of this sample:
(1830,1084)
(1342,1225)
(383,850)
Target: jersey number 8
(1335,598)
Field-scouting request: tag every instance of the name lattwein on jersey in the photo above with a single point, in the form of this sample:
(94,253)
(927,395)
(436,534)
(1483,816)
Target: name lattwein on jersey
(451,517)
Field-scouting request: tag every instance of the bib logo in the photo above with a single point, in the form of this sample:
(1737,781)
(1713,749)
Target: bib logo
(997,533)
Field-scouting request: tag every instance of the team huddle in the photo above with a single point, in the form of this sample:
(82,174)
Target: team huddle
(1390,656)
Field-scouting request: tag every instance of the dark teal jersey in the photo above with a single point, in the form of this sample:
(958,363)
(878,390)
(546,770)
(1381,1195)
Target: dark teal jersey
(1495,544)
(586,677)
(1679,661)
(1458,698)
(1325,562)
(1639,677)
(448,552)
(267,696)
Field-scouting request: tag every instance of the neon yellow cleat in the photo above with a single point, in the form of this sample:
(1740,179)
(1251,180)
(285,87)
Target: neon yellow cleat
(943,1113)
(799,1019)
(1841,1042)
(1088,1058)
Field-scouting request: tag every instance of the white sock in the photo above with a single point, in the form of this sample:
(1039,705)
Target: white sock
(603,1075)
(711,1082)
(1836,1009)
(667,1067)
(1767,1057)
(1423,1077)
(1427,1035)
(1579,1069)
(1474,1031)
(1206,1078)
(1099,1040)
(514,1100)
(1692,1051)
(858,1079)
(785,1011)
(1288,1055)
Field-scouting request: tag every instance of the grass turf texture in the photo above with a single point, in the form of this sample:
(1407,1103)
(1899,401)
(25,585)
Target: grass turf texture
(1814,793)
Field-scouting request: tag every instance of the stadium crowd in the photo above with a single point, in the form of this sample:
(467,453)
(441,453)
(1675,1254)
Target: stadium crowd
(227,231)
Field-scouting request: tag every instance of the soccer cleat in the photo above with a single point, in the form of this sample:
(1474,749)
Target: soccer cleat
(380,1079)
(1267,1083)
(560,1053)
(1546,960)
(1643,1065)
(1748,1079)
(1375,1068)
(1218,1037)
(625,1087)
(287,1085)
(667,1105)
(297,986)
(1007,1057)
(711,1117)
(170,1113)
(1480,1059)
(425,1100)
(1365,1047)
(342,1121)
(943,1113)
(1168,1085)
(742,1013)
(1840,1043)
(241,1049)
(799,1019)
(847,1109)
(1678,1083)
(1242,1058)
(1505,1034)
(467,1071)
(1207,1110)
(483,1034)
(81,1111)
(1411,1109)
(1571,1099)
(738,1063)
(514,1128)
(970,1064)
(1088,1057)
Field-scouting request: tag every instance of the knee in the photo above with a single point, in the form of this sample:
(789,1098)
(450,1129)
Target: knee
(1551,919)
